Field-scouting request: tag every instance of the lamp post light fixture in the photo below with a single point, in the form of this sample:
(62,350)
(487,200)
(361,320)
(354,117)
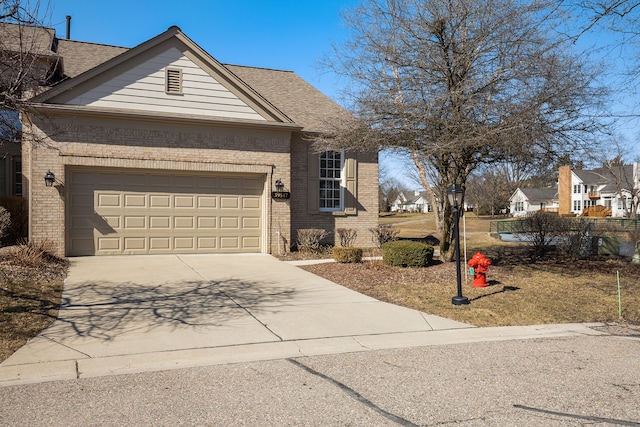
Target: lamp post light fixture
(454,193)
(49,179)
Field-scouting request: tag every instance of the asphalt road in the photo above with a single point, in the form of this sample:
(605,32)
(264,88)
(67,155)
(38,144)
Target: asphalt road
(573,381)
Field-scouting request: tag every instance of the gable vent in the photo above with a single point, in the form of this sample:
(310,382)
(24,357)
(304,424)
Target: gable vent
(173,82)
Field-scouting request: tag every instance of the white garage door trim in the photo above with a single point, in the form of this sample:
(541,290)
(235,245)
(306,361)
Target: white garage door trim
(132,211)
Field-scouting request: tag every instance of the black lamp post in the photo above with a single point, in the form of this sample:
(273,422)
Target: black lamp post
(455,192)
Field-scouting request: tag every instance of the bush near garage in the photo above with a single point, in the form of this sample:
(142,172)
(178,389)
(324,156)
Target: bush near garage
(19,215)
(406,253)
(347,254)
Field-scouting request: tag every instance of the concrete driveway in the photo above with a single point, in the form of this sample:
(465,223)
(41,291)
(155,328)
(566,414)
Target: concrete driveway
(126,314)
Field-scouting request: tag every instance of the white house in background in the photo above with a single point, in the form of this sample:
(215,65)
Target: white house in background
(526,200)
(411,201)
(580,189)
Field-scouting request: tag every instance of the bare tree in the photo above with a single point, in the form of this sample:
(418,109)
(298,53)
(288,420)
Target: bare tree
(460,83)
(26,63)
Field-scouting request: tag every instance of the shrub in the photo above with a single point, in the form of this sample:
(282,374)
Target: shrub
(383,234)
(33,253)
(17,207)
(579,240)
(347,254)
(309,239)
(407,253)
(347,236)
(5,223)
(544,229)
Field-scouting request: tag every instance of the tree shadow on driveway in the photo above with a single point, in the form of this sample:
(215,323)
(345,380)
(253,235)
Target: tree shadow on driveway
(105,310)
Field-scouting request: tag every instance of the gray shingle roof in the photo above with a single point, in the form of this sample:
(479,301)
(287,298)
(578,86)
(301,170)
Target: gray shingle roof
(292,95)
(19,38)
(590,177)
(542,194)
(79,57)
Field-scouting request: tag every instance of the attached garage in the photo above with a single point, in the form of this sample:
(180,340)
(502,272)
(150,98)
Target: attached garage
(122,211)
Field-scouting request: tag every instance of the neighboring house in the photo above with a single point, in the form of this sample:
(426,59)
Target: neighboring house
(580,189)
(162,149)
(526,200)
(411,201)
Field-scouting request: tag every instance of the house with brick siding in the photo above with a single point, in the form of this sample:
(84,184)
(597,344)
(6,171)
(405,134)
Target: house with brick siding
(162,149)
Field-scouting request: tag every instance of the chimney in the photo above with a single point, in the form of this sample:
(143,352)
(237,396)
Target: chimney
(564,190)
(68,27)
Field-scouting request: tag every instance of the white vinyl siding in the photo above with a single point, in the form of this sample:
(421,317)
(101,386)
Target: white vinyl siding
(144,88)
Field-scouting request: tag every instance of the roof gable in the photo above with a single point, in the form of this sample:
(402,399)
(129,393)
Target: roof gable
(135,80)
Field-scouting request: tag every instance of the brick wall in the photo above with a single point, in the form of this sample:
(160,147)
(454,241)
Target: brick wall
(98,142)
(366,216)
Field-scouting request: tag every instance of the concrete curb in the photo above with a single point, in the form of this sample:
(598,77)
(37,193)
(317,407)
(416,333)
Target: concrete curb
(157,361)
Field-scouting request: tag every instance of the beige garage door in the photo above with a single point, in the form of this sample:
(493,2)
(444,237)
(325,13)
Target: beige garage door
(115,211)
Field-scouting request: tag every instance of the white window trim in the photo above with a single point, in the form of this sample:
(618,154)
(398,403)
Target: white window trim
(341,180)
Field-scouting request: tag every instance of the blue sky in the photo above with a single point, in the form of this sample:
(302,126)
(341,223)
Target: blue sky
(280,34)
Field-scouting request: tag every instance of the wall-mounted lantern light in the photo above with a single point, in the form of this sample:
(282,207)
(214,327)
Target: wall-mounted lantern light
(280,193)
(49,179)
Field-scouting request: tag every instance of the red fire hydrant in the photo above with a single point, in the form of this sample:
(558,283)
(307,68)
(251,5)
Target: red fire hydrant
(480,265)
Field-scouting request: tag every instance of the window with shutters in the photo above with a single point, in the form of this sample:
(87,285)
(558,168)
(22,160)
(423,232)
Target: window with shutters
(330,180)
(173,83)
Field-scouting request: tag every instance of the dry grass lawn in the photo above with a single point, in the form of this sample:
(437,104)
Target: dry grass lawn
(30,292)
(521,291)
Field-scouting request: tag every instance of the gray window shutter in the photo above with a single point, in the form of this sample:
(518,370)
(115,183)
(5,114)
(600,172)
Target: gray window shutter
(313,181)
(351,184)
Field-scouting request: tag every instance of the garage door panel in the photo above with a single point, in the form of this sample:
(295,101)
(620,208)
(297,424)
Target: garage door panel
(132,222)
(109,200)
(135,200)
(109,179)
(113,221)
(160,222)
(135,243)
(135,212)
(108,243)
(82,200)
(184,243)
(207,202)
(229,183)
(254,184)
(231,222)
(250,243)
(227,202)
(207,183)
(229,242)
(250,203)
(137,181)
(253,223)
(207,222)
(183,201)
(159,201)
(159,243)
(182,222)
